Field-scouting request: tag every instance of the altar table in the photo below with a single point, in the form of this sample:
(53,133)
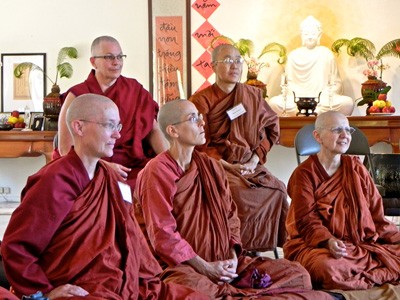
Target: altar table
(26,144)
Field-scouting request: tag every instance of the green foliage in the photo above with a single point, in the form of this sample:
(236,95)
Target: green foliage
(63,68)
(366,49)
(371,95)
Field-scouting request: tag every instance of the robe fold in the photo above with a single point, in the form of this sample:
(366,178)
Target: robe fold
(192,213)
(70,229)
(137,111)
(346,206)
(260,197)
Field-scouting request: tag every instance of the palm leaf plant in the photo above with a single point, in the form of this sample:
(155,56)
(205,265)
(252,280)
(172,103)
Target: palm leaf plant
(366,49)
(63,68)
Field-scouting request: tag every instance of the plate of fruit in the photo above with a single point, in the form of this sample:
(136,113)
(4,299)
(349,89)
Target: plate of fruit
(16,120)
(381,107)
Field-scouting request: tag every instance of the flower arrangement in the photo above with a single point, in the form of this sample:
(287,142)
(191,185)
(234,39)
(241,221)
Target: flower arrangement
(366,49)
(254,66)
(375,66)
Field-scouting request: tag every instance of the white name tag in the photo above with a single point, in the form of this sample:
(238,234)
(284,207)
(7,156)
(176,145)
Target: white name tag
(236,111)
(125,191)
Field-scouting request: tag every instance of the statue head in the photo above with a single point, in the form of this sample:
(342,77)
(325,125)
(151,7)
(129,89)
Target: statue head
(311,32)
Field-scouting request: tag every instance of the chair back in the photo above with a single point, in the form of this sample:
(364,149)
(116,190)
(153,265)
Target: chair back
(304,142)
(359,146)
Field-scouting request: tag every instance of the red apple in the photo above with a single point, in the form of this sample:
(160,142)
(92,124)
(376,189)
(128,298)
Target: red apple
(15,113)
(374,109)
(392,109)
(382,97)
(386,109)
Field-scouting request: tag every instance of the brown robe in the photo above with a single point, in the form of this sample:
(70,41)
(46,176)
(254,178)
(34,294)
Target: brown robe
(7,295)
(192,213)
(260,197)
(347,206)
(70,229)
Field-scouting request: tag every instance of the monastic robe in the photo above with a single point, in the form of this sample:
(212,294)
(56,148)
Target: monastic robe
(137,111)
(346,206)
(260,197)
(7,295)
(70,229)
(192,213)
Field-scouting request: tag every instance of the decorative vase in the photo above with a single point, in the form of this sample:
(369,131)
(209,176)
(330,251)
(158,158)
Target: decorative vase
(370,88)
(252,80)
(52,108)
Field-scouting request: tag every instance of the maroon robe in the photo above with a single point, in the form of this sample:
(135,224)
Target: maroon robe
(70,229)
(260,197)
(192,213)
(137,111)
(346,206)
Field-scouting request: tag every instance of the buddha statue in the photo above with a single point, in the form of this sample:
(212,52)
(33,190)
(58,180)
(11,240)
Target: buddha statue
(311,71)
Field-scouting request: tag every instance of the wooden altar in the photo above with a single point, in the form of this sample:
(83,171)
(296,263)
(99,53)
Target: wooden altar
(26,144)
(376,128)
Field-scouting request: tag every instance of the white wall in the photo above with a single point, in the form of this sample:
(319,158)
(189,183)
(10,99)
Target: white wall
(47,25)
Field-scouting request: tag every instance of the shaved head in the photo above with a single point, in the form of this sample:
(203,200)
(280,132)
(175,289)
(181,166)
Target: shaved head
(88,106)
(170,113)
(325,119)
(218,49)
(99,40)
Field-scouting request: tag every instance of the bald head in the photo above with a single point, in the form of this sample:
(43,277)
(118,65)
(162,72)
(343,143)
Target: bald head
(170,113)
(328,119)
(97,41)
(218,49)
(87,107)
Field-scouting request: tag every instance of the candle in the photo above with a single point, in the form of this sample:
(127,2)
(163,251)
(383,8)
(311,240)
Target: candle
(283,79)
(180,86)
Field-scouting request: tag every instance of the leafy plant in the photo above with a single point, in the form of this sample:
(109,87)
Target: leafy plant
(366,49)
(246,48)
(63,68)
(370,95)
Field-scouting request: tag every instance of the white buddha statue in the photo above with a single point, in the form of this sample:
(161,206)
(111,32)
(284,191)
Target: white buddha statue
(309,71)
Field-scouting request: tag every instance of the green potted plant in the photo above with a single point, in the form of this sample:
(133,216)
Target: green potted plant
(63,68)
(52,102)
(366,49)
(254,63)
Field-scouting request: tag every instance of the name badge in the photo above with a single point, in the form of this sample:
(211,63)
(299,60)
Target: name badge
(125,191)
(236,111)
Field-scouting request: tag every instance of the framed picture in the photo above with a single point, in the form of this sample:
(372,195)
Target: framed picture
(36,121)
(169,47)
(26,91)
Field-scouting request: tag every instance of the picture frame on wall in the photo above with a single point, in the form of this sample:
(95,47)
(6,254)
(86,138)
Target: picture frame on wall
(36,121)
(26,91)
(169,49)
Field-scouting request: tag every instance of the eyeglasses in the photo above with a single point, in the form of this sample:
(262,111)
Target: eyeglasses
(111,57)
(193,119)
(339,130)
(108,125)
(230,61)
